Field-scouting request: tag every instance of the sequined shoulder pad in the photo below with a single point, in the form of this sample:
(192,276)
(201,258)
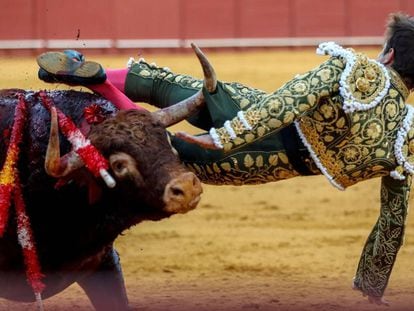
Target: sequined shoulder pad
(364,82)
(366,79)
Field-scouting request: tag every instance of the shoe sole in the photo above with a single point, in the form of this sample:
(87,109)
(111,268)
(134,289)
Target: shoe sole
(58,63)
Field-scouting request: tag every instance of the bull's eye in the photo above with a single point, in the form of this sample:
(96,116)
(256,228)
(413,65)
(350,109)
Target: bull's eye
(123,165)
(119,167)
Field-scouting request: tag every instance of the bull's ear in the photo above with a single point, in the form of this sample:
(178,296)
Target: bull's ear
(123,165)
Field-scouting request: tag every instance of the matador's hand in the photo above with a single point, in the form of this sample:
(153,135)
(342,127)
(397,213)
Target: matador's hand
(204,141)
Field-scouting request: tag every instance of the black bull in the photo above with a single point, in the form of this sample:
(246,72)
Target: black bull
(75,225)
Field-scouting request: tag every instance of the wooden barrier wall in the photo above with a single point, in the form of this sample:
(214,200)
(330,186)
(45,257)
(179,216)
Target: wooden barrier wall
(101,24)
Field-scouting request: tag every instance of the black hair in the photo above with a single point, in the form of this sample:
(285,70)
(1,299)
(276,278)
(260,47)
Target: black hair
(400,37)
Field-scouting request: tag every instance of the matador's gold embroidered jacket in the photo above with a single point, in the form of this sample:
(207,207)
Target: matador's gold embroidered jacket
(351,114)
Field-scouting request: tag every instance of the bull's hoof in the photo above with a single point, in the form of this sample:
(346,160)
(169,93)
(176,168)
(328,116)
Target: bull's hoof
(69,67)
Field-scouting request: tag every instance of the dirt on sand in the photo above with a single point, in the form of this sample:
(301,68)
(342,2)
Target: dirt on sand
(291,245)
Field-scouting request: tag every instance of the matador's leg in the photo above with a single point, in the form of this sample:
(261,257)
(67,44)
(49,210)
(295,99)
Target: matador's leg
(162,88)
(380,251)
(146,83)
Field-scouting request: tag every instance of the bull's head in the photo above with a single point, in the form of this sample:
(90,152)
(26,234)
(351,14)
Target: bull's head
(143,162)
(141,158)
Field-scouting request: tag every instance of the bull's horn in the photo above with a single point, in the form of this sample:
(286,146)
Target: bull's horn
(55,165)
(171,115)
(210,79)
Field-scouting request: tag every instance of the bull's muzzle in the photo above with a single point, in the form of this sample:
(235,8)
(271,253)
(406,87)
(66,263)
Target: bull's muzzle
(182,194)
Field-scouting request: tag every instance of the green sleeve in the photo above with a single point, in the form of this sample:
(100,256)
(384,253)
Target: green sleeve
(279,109)
(381,248)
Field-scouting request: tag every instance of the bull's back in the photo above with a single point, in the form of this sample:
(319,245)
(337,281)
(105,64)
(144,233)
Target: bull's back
(62,220)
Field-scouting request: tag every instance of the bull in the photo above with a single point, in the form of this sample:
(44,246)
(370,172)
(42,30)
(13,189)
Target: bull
(75,225)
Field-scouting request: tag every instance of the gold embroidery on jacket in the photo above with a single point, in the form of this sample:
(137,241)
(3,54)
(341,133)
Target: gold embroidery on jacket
(399,84)
(366,79)
(292,100)
(357,146)
(245,168)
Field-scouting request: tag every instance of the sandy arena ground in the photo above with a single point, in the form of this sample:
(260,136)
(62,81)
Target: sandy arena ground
(292,245)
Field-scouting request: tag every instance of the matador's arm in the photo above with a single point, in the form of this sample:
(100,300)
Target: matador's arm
(279,109)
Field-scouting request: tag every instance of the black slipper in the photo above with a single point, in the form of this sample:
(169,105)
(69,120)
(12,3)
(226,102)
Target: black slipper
(69,67)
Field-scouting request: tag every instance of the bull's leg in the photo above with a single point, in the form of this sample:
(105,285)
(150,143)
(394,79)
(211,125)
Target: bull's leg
(105,287)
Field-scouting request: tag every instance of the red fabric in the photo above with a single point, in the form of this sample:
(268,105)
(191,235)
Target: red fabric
(5,200)
(25,235)
(111,93)
(93,160)
(93,114)
(117,77)
(11,187)
(91,156)
(8,172)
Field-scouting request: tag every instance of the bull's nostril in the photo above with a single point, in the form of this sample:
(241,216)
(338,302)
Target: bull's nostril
(177,191)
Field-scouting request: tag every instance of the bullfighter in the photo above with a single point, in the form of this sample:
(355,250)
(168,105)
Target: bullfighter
(346,119)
